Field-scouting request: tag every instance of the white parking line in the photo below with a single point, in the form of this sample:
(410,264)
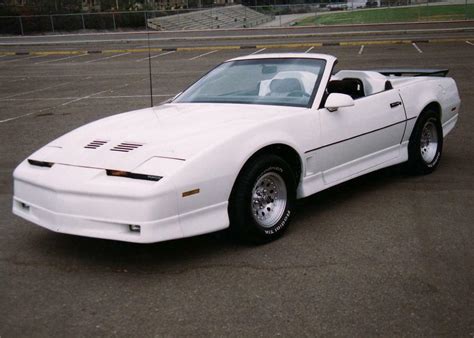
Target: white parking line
(361,50)
(71,101)
(417,48)
(40,99)
(258,51)
(155,56)
(34,91)
(66,58)
(84,97)
(2,56)
(470,43)
(309,49)
(199,56)
(21,59)
(19,117)
(107,57)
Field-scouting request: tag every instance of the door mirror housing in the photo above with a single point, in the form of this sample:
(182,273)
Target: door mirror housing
(338,100)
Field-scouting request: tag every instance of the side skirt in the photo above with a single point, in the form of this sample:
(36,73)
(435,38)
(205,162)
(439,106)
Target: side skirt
(314,183)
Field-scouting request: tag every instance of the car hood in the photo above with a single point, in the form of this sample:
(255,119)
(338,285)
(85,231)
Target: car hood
(178,131)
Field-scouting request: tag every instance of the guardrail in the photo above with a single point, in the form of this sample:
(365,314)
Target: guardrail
(318,13)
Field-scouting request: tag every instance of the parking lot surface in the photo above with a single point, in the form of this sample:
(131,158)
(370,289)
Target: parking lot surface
(384,254)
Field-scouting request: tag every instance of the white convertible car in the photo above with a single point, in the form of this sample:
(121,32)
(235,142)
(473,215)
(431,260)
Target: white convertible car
(236,149)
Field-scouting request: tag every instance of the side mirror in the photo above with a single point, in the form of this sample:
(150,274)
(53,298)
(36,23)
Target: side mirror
(337,100)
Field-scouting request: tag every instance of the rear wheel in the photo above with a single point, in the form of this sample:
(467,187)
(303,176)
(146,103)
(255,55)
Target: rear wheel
(261,203)
(426,144)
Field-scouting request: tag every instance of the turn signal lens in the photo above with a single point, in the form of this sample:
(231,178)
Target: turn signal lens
(127,174)
(41,163)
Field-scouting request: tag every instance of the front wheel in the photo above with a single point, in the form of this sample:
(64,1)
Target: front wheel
(426,145)
(261,203)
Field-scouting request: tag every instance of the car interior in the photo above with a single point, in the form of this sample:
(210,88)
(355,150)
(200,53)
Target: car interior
(357,84)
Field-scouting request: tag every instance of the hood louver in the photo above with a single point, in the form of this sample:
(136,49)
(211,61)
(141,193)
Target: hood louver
(126,147)
(95,144)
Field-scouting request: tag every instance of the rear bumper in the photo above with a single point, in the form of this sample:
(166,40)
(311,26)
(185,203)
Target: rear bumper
(450,124)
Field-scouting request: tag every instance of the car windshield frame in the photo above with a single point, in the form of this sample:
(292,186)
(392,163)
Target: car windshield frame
(184,96)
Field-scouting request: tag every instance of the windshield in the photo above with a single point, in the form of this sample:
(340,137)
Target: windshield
(284,82)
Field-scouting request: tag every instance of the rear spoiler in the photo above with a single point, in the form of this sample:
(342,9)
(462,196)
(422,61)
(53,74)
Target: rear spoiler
(413,72)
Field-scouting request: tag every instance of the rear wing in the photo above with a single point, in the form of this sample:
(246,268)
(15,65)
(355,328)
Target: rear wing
(413,72)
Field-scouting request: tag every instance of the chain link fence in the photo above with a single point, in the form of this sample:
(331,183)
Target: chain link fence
(320,13)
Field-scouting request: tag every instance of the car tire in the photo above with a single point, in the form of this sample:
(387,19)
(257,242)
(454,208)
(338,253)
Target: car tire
(262,200)
(426,144)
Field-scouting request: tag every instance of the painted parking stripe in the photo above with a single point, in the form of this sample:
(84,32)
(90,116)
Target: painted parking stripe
(361,50)
(258,51)
(155,56)
(21,59)
(470,43)
(66,58)
(34,91)
(107,57)
(110,97)
(85,97)
(18,117)
(68,102)
(309,49)
(200,56)
(417,48)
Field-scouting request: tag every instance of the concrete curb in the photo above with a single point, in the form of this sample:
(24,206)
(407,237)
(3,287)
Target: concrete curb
(142,32)
(248,37)
(256,46)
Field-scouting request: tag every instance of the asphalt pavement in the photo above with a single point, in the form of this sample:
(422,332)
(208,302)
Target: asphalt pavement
(382,255)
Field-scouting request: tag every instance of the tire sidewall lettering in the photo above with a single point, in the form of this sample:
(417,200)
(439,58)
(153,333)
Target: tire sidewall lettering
(435,161)
(281,225)
(286,216)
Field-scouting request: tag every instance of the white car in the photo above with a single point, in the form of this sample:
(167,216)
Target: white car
(236,149)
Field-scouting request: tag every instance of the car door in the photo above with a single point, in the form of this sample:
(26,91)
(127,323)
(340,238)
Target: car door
(355,139)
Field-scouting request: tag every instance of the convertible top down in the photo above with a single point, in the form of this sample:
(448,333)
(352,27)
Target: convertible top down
(236,149)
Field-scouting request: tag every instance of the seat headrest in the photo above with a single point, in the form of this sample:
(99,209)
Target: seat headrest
(285,85)
(350,87)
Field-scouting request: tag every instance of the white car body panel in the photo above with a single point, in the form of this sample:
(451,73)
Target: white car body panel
(203,146)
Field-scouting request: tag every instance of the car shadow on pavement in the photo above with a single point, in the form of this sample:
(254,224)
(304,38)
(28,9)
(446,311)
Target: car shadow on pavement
(74,252)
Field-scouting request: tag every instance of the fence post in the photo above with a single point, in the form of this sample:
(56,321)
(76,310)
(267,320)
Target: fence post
(52,22)
(21,26)
(245,16)
(465,11)
(83,23)
(113,19)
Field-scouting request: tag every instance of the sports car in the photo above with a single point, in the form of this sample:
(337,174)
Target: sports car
(235,149)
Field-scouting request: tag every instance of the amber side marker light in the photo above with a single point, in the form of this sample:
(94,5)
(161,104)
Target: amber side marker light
(120,173)
(40,163)
(191,192)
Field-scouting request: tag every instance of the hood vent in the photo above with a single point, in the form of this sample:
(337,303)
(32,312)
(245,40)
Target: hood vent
(95,144)
(126,147)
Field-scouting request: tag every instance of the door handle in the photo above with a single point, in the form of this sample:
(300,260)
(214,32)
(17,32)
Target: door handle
(395,104)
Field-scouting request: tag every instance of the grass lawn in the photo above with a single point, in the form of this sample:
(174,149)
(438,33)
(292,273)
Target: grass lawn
(385,15)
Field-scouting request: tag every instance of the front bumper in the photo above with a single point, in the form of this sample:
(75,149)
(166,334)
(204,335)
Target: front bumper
(87,202)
